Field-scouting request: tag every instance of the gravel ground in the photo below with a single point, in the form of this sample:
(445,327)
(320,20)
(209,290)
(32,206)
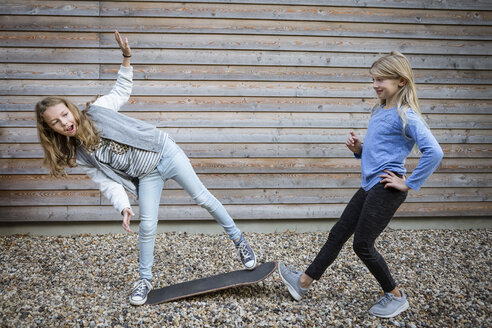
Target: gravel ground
(84,281)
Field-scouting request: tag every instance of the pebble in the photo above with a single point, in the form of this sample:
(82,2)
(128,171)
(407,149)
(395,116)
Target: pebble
(85,280)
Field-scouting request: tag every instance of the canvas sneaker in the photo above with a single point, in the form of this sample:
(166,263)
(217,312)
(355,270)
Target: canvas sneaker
(389,306)
(140,291)
(291,280)
(246,253)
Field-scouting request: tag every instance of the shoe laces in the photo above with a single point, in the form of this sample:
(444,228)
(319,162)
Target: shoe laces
(388,297)
(292,272)
(141,288)
(243,250)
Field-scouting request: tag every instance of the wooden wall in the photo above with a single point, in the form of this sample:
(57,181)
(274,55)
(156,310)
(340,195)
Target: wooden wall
(261,94)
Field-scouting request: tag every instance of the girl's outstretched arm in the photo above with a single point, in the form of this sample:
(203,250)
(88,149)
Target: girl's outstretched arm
(122,89)
(432,153)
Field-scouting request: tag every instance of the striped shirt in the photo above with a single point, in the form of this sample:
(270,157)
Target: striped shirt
(126,160)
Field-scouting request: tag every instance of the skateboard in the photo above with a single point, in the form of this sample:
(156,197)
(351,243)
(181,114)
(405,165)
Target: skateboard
(211,284)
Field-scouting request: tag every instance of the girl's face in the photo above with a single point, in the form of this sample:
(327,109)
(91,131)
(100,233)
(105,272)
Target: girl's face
(60,119)
(385,87)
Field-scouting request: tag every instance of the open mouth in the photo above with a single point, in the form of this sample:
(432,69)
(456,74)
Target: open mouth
(71,128)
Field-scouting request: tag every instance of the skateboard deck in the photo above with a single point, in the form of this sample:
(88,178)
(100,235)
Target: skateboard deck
(211,284)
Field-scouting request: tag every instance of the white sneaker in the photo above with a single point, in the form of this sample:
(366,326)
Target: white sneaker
(246,253)
(140,291)
(389,305)
(291,281)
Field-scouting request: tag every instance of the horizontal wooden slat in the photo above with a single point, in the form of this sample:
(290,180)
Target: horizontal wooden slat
(64,8)
(321,196)
(267,165)
(238,212)
(248,181)
(46,182)
(49,71)
(238,196)
(267,135)
(296,43)
(245,42)
(257,104)
(301,13)
(239,57)
(315,196)
(50,197)
(49,39)
(228,73)
(302,74)
(239,150)
(267,120)
(234,88)
(242,26)
(448,4)
(243,11)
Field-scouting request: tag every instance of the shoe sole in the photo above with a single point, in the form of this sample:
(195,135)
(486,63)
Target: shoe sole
(394,314)
(291,289)
(138,302)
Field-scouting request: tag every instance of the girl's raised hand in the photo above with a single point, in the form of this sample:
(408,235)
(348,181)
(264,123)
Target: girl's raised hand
(353,143)
(392,180)
(125,47)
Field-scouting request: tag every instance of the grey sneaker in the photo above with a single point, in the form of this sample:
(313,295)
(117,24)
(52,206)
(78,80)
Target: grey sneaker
(291,280)
(246,253)
(389,305)
(140,291)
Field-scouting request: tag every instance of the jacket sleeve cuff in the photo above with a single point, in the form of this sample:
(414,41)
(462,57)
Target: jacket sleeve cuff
(412,186)
(121,206)
(126,69)
(359,156)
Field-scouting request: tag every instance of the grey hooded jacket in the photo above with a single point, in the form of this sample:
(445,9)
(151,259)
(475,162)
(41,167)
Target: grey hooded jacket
(125,130)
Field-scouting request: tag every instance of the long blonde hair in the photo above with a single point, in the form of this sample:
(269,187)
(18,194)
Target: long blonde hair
(396,66)
(60,150)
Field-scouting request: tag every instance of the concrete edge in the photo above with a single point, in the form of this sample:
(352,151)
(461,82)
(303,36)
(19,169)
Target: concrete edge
(211,227)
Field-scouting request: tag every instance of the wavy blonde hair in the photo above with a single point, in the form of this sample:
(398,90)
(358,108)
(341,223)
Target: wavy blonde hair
(60,150)
(396,66)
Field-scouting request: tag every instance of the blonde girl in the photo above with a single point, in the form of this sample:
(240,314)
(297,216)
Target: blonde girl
(395,127)
(121,153)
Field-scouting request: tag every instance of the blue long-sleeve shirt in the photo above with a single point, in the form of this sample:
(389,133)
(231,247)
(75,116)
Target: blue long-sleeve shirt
(386,148)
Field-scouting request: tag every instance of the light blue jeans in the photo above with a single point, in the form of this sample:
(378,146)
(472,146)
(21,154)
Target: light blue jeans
(173,165)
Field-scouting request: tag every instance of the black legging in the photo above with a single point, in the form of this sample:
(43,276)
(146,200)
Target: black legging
(367,215)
